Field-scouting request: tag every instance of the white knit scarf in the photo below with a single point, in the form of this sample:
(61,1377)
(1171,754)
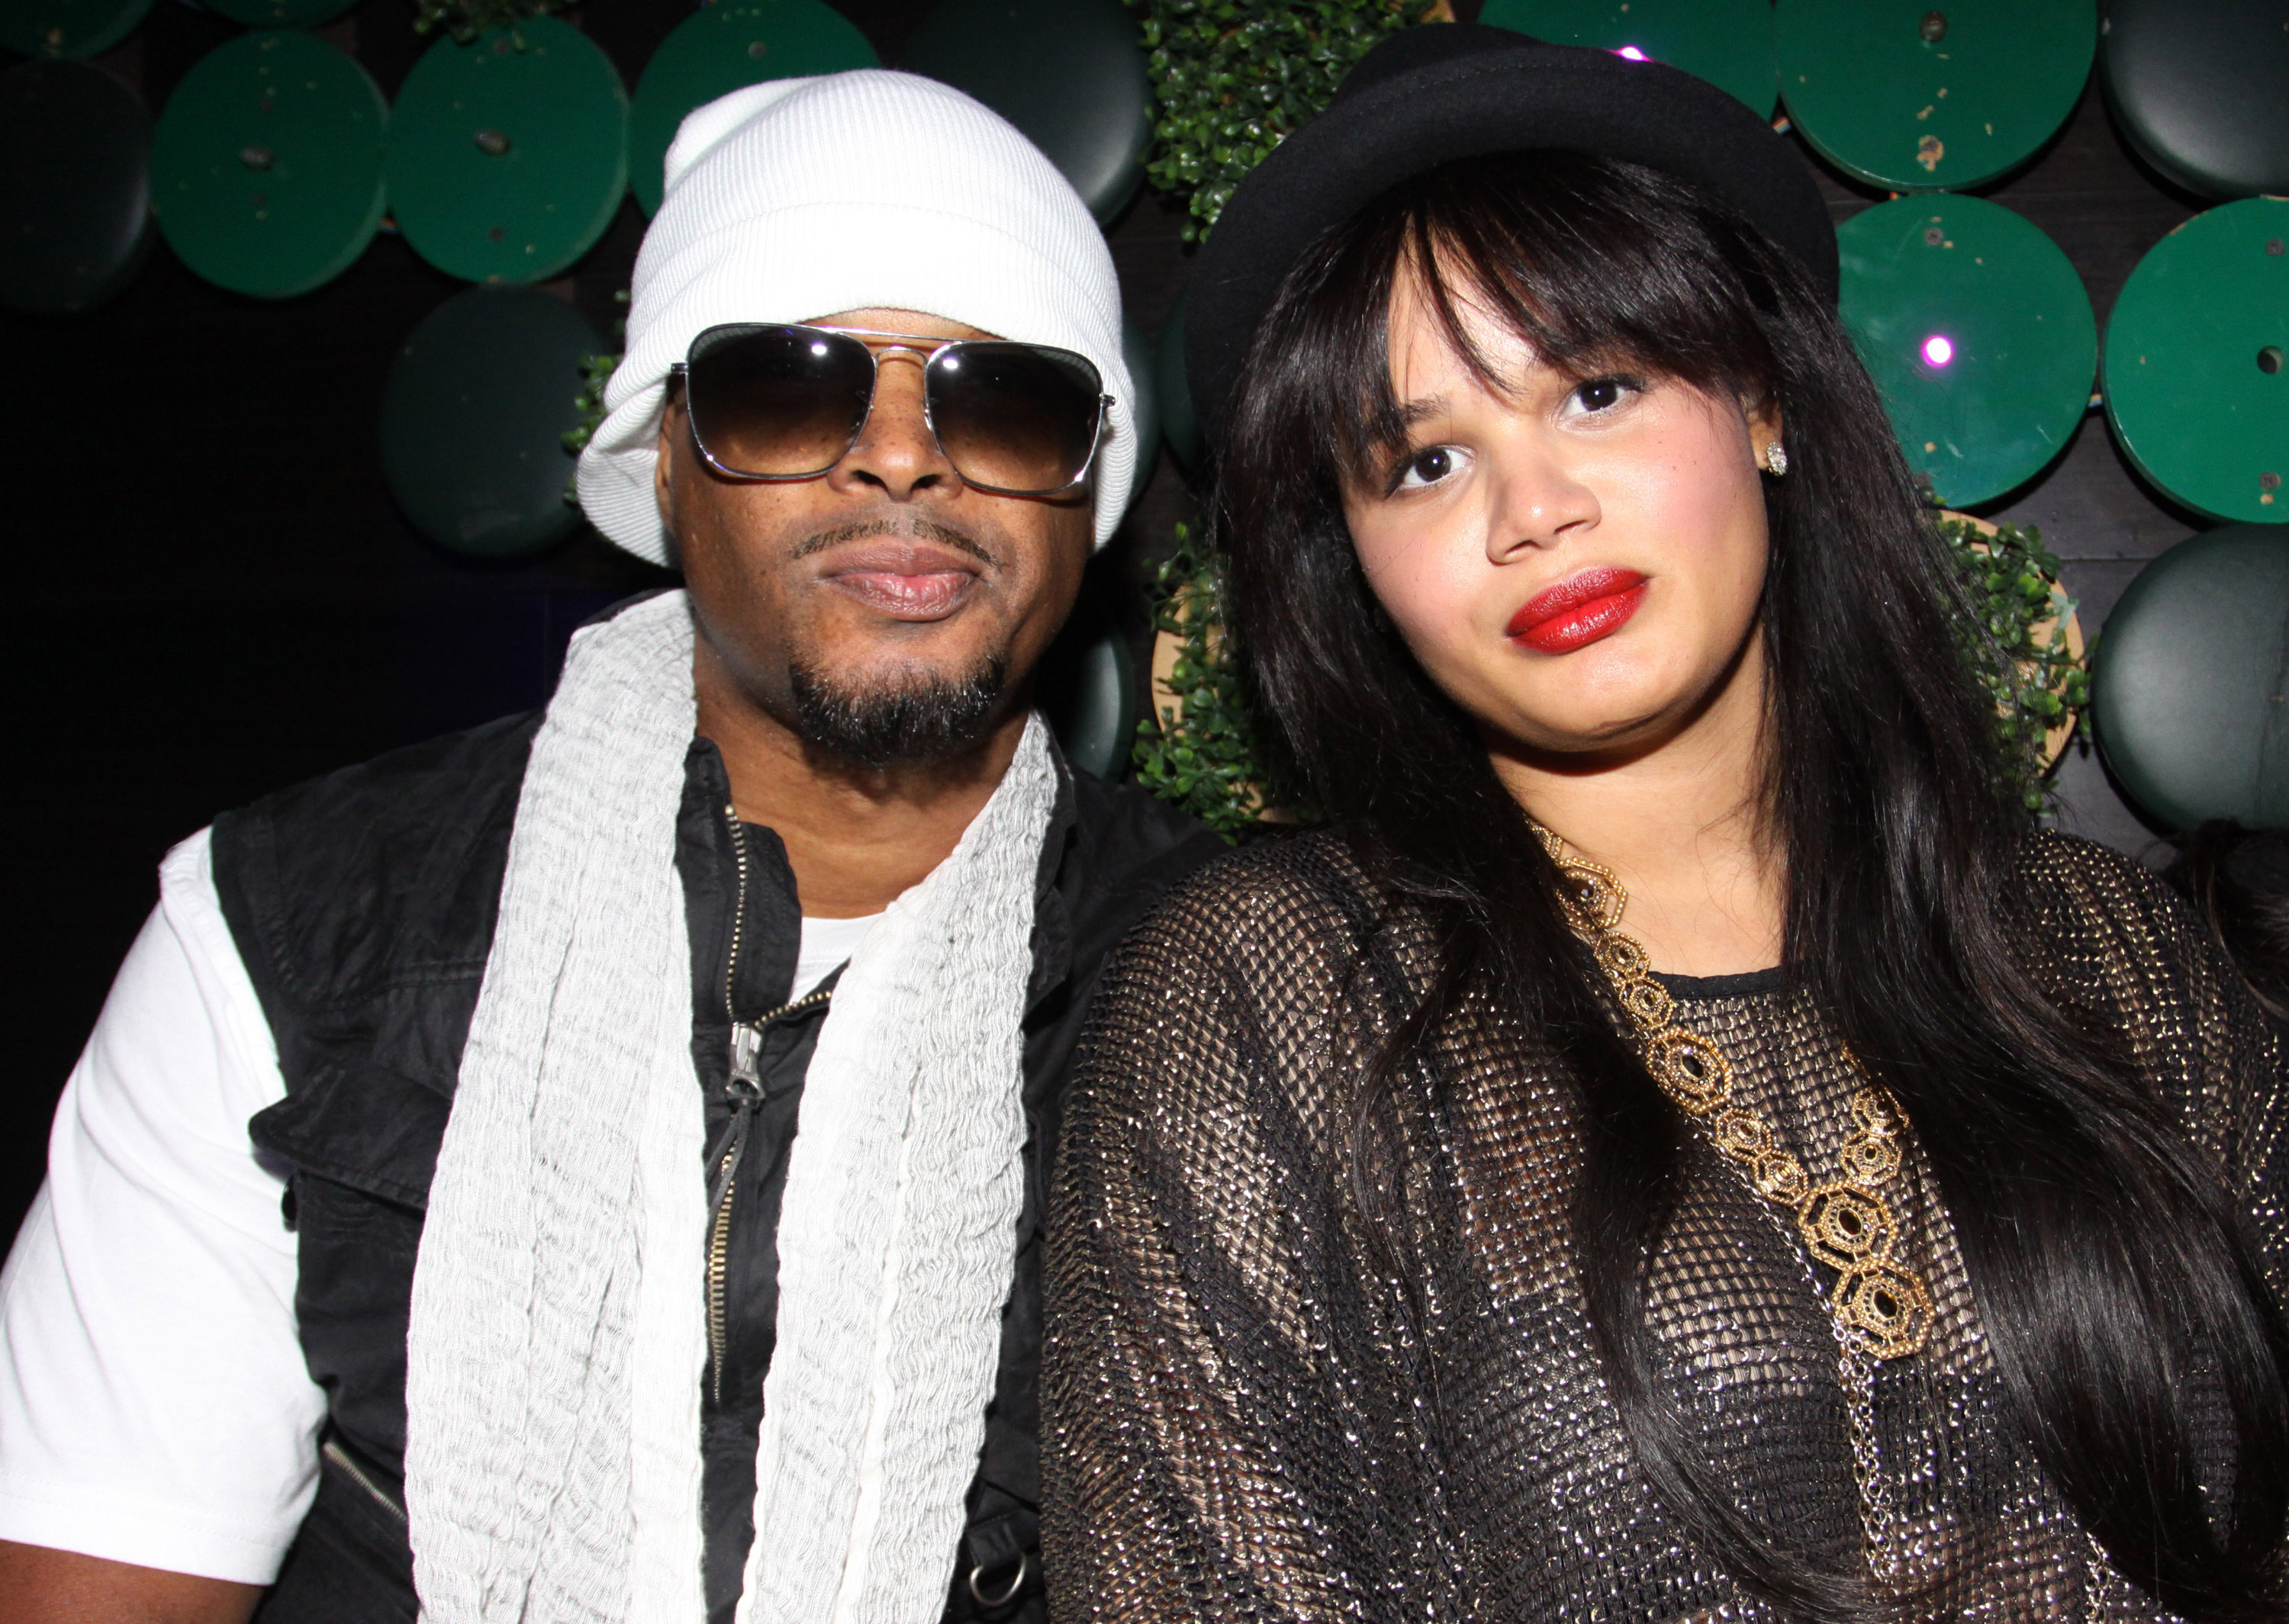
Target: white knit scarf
(557,1341)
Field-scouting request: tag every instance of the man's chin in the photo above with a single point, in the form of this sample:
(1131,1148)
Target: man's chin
(909,716)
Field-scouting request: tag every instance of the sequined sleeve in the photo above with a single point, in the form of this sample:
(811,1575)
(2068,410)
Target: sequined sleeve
(2114,930)
(1206,1451)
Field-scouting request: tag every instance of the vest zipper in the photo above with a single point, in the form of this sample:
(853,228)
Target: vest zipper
(340,1456)
(747,1091)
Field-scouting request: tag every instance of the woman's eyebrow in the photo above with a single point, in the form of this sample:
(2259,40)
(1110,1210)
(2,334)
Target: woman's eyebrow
(1420,409)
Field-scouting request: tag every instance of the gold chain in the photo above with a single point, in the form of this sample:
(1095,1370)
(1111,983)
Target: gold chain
(1881,1309)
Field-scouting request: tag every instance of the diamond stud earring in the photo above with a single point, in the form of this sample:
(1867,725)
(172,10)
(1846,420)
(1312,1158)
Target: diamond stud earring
(1775,459)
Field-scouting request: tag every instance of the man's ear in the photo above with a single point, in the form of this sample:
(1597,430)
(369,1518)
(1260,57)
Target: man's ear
(662,464)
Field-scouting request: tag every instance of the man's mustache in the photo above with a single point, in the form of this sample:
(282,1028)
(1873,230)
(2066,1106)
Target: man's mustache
(912,528)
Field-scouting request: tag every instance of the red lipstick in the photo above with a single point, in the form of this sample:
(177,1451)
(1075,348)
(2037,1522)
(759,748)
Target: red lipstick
(1579,610)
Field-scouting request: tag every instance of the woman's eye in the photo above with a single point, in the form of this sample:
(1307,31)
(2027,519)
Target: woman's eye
(1427,467)
(1598,395)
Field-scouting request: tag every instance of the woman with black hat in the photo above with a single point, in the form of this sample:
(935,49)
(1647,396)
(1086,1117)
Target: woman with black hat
(1681,1145)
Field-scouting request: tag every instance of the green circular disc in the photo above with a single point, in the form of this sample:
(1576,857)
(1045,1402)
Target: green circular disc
(1979,336)
(74,187)
(1079,90)
(726,47)
(508,157)
(1882,101)
(282,13)
(2188,694)
(2196,374)
(1729,43)
(265,171)
(473,420)
(67,27)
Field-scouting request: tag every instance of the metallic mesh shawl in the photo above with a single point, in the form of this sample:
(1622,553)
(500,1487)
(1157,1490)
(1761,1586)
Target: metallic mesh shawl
(1239,1393)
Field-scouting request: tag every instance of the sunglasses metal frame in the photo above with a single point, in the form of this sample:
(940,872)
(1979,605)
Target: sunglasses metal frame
(917,346)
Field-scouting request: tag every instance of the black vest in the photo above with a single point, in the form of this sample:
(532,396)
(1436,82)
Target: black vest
(362,904)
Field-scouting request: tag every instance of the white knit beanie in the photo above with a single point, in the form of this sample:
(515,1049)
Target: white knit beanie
(795,199)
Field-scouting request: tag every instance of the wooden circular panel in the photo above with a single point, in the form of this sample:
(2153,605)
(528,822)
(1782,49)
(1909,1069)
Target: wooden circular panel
(507,156)
(2196,387)
(266,170)
(725,47)
(1729,43)
(1916,96)
(1979,336)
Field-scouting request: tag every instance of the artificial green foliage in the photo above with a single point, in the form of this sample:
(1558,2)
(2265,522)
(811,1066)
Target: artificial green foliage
(596,372)
(467,21)
(2024,663)
(1200,755)
(1233,78)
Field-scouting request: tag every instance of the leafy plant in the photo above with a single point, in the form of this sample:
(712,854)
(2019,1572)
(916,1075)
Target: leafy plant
(1235,78)
(467,21)
(1200,751)
(2024,660)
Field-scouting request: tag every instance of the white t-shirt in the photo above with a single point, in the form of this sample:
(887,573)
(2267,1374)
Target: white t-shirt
(825,944)
(155,1406)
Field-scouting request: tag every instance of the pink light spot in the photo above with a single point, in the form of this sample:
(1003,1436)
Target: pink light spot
(1939,350)
(1632,52)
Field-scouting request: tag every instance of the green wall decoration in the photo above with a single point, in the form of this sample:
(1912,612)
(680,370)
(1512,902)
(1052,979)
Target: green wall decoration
(74,28)
(2196,363)
(1979,336)
(726,47)
(1916,96)
(1729,43)
(266,165)
(508,156)
(1233,78)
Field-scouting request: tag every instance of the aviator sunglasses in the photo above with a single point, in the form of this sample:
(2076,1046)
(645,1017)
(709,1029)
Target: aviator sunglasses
(784,401)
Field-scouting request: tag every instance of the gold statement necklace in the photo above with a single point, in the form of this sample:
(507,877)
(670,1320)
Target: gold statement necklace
(1881,1309)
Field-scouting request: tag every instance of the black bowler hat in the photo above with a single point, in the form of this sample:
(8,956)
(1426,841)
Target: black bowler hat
(1444,91)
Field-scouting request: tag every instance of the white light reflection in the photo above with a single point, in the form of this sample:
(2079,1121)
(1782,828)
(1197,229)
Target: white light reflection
(1939,349)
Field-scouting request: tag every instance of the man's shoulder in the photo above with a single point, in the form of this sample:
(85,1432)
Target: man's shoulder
(386,868)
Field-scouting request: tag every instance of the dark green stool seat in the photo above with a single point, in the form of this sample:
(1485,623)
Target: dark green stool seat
(1729,43)
(1087,687)
(473,420)
(1180,424)
(74,187)
(1068,73)
(2196,363)
(1916,96)
(724,47)
(2189,683)
(72,28)
(1145,401)
(1978,333)
(2201,89)
(267,169)
(508,156)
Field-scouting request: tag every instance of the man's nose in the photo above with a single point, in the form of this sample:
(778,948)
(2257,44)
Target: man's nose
(896,454)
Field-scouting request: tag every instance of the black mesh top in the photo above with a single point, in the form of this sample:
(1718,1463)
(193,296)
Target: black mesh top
(1239,1397)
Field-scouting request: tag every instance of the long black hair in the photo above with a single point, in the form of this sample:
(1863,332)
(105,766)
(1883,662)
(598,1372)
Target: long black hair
(2106,1262)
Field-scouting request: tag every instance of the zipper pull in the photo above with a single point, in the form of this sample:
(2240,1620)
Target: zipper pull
(747,1044)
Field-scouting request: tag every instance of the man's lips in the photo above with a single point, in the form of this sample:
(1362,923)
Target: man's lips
(1579,610)
(905,580)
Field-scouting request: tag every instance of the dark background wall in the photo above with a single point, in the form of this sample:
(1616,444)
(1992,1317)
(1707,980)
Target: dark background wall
(215,597)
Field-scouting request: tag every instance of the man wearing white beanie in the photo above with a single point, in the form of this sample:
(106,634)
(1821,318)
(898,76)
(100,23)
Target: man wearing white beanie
(590,1167)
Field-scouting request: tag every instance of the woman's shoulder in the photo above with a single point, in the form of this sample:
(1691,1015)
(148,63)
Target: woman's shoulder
(2079,885)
